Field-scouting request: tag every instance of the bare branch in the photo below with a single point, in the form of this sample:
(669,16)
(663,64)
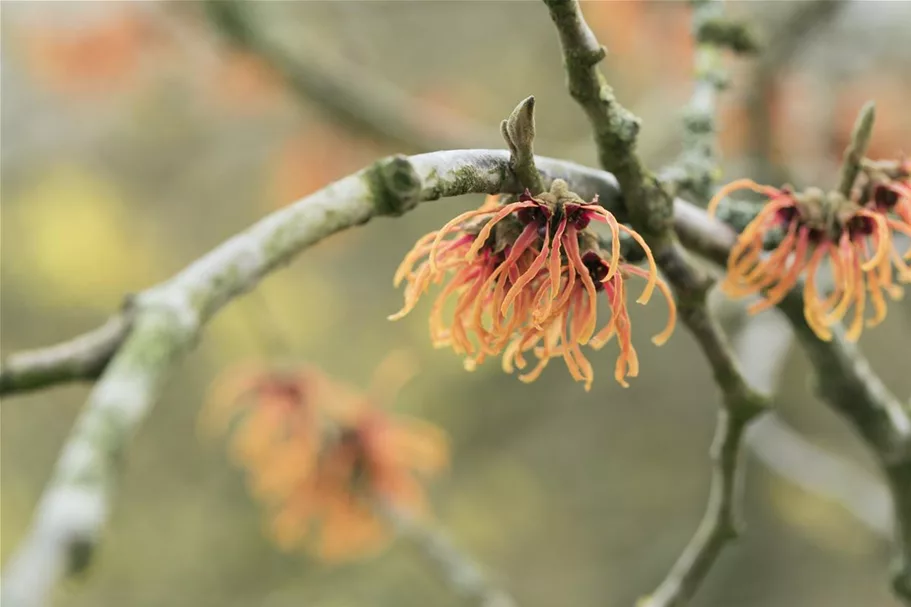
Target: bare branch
(471,171)
(762,345)
(696,169)
(651,210)
(80,359)
(845,382)
(168,318)
(457,569)
(794,458)
(719,524)
(352,96)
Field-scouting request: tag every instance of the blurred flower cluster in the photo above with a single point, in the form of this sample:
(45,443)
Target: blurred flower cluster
(324,459)
(525,276)
(854,235)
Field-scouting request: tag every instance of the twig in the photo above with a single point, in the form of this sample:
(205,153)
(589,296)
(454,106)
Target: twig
(844,381)
(80,359)
(696,170)
(719,524)
(352,96)
(168,318)
(762,345)
(457,569)
(790,455)
(651,210)
(847,383)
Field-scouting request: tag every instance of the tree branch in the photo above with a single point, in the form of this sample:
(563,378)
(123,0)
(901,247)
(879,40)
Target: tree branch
(844,381)
(696,170)
(720,523)
(80,359)
(167,320)
(457,569)
(651,210)
(444,174)
(762,345)
(352,96)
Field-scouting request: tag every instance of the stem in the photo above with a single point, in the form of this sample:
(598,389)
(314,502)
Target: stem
(651,210)
(845,382)
(80,359)
(456,568)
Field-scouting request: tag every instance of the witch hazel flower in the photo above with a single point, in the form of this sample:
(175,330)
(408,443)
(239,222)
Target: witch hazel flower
(520,280)
(820,230)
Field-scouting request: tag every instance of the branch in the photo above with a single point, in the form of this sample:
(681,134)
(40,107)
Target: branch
(762,345)
(470,171)
(844,381)
(651,210)
(696,170)
(352,96)
(168,319)
(80,359)
(458,570)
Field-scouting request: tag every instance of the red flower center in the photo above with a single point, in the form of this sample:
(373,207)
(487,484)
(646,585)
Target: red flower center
(884,197)
(597,268)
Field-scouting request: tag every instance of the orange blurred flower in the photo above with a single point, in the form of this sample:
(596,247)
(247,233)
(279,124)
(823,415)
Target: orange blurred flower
(245,82)
(274,417)
(518,274)
(855,240)
(93,58)
(375,461)
(325,459)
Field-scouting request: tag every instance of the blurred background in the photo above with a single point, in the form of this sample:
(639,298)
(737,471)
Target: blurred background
(137,136)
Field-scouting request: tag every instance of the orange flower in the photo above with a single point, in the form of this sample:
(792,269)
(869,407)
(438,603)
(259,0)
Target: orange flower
(519,279)
(324,459)
(564,328)
(93,58)
(855,241)
(375,462)
(245,82)
(485,272)
(274,416)
(888,190)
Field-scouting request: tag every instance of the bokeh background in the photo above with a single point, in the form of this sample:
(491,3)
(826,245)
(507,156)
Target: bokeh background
(135,138)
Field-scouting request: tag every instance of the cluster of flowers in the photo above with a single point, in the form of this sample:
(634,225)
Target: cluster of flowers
(324,460)
(524,277)
(854,236)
